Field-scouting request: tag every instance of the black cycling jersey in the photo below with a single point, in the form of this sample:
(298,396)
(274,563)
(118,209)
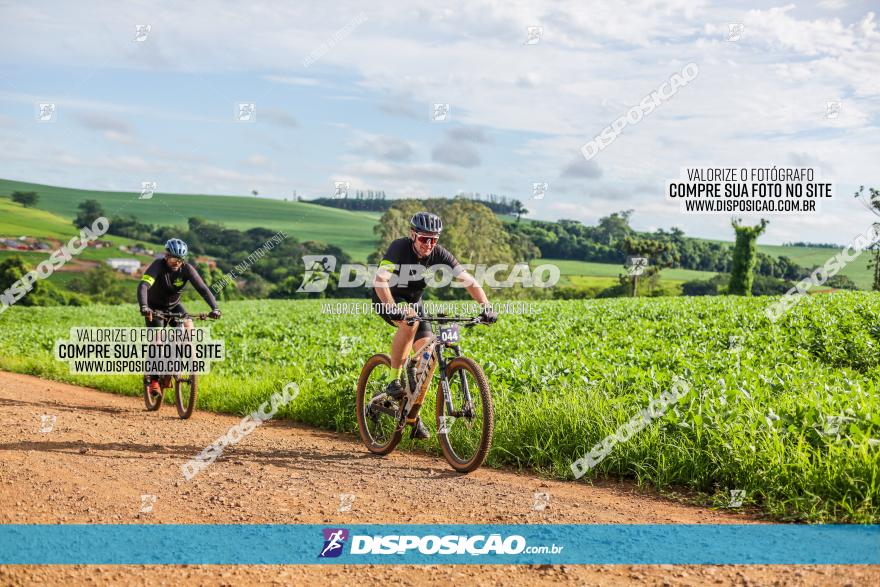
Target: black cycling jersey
(400,254)
(160,286)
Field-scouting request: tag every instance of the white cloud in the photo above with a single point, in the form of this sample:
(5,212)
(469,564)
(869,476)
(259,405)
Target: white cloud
(385,148)
(293,80)
(458,153)
(759,101)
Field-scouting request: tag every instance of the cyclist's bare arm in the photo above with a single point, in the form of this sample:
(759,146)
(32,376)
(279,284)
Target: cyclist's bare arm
(383,292)
(380,284)
(473,288)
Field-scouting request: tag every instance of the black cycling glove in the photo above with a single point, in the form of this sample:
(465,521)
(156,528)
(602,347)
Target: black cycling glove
(146,311)
(488,315)
(215,313)
(397,313)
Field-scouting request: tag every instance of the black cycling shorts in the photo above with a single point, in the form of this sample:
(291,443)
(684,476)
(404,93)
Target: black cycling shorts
(158,322)
(422,331)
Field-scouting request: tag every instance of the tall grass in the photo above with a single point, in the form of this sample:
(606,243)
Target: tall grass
(789,412)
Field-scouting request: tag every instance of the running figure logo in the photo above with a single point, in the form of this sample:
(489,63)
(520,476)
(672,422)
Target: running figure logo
(334,541)
(317,274)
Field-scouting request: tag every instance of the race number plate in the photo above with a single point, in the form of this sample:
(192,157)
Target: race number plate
(450,334)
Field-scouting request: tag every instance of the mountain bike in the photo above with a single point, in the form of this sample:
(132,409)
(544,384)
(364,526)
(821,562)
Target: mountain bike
(464,413)
(186,385)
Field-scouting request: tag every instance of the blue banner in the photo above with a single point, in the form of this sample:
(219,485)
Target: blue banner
(438,544)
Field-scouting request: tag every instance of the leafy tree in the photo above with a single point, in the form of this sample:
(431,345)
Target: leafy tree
(873,204)
(104,286)
(88,211)
(26,199)
(615,227)
(660,254)
(42,293)
(128,226)
(841,281)
(474,234)
(519,210)
(226,289)
(11,270)
(745,255)
(705,287)
(764,285)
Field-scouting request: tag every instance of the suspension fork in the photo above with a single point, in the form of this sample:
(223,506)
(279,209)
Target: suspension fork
(444,382)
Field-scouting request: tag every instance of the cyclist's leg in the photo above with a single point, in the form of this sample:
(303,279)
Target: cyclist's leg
(179,309)
(422,332)
(402,341)
(154,323)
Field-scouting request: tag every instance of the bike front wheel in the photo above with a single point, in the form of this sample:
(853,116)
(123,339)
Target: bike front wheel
(465,432)
(186,388)
(152,402)
(378,415)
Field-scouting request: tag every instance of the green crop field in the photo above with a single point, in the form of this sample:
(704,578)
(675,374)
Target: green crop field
(588,268)
(351,231)
(790,413)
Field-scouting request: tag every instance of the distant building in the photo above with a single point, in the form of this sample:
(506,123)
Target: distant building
(139,250)
(211,263)
(129,266)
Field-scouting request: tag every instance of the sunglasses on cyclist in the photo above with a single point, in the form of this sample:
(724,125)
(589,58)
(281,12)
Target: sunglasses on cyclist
(426,240)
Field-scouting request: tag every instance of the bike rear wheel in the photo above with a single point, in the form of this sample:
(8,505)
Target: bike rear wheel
(378,416)
(186,389)
(152,403)
(465,434)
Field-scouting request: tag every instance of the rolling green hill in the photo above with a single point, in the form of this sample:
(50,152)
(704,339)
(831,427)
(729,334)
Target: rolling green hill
(16,221)
(858,270)
(351,231)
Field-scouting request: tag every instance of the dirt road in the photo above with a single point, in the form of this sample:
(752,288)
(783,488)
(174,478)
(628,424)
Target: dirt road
(98,454)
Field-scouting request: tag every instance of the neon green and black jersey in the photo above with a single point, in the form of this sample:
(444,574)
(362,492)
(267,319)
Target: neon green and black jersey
(160,286)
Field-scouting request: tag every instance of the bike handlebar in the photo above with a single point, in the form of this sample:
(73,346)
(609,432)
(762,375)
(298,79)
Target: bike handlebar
(466,320)
(180,315)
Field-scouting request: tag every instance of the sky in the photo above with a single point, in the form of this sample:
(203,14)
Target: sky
(345,91)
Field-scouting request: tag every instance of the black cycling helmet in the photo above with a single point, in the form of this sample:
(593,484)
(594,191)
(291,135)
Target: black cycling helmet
(426,222)
(177,248)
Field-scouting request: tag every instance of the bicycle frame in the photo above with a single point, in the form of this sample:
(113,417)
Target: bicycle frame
(176,320)
(435,348)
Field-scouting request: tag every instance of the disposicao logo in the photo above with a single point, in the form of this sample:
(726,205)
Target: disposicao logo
(334,541)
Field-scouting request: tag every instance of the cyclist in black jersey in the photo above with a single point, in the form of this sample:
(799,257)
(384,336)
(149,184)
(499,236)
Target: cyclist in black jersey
(419,249)
(160,289)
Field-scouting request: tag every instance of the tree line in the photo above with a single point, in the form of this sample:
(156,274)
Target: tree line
(276,274)
(371,201)
(606,243)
